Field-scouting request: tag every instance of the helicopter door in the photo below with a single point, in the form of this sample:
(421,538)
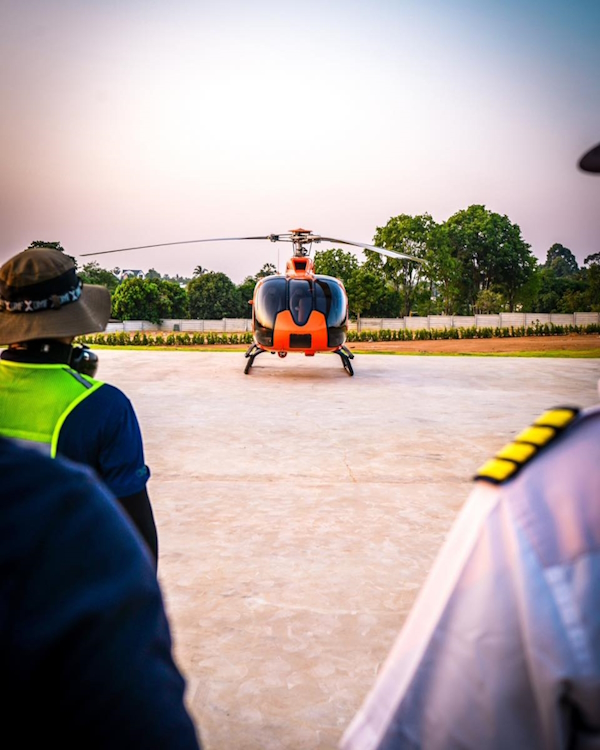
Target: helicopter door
(301,300)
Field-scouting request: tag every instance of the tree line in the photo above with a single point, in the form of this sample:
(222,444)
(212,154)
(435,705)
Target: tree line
(475,262)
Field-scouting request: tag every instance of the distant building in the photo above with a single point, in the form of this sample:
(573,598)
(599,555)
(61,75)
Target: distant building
(128,273)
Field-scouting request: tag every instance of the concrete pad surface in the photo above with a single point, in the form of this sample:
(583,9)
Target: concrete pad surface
(299,511)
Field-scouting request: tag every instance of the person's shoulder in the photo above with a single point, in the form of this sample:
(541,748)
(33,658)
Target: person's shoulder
(109,396)
(38,489)
(17,462)
(551,431)
(59,500)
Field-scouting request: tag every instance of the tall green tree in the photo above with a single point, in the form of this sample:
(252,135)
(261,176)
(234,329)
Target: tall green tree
(561,260)
(137,299)
(340,264)
(212,296)
(246,293)
(489,302)
(444,272)
(409,235)
(364,290)
(268,269)
(492,255)
(550,292)
(91,273)
(528,293)
(173,299)
(593,276)
(563,286)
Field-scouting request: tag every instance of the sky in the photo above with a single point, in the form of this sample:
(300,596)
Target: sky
(135,122)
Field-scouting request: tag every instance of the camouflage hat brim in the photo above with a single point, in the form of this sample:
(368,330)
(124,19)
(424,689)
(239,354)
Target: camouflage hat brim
(88,314)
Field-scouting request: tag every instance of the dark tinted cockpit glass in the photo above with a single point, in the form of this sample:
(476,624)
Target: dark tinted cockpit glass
(331,301)
(301,300)
(270,300)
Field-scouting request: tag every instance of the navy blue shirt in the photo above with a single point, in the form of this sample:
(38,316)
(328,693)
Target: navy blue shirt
(85,646)
(102,432)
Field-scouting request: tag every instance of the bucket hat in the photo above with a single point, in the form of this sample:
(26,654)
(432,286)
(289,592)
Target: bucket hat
(590,161)
(41,296)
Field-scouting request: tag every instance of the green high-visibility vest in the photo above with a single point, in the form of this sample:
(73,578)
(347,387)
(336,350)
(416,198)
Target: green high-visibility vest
(35,401)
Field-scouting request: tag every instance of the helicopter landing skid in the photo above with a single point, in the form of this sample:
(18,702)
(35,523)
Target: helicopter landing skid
(252,354)
(346,355)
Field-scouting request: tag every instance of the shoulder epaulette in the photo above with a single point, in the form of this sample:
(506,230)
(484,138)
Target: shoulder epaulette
(507,462)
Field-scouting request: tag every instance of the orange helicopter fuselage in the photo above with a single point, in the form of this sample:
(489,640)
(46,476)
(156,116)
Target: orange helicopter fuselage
(300,312)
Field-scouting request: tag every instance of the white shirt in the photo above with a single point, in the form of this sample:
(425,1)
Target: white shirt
(502,647)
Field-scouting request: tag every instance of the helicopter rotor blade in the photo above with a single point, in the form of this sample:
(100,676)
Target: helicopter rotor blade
(285,237)
(272,237)
(380,250)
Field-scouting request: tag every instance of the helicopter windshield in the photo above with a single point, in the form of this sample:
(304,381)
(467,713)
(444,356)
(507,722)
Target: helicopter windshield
(301,300)
(270,300)
(330,300)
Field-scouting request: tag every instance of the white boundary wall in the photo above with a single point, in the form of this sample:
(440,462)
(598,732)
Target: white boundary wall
(502,320)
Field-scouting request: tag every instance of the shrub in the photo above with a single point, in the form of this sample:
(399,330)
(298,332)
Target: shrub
(139,338)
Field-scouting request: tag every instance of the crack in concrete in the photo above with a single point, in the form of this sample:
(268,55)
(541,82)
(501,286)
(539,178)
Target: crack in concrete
(352,477)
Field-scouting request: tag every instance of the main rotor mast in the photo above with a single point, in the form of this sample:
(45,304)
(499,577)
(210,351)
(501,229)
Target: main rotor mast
(301,239)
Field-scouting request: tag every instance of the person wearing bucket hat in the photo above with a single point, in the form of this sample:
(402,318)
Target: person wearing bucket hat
(502,646)
(48,395)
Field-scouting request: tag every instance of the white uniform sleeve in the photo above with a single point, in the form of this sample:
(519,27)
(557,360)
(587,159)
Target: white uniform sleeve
(502,648)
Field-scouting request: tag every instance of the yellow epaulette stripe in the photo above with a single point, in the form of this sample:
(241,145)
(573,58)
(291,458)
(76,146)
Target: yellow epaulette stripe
(507,462)
(496,470)
(537,436)
(517,452)
(558,418)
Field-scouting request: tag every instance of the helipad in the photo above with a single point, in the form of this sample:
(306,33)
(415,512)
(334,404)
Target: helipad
(299,511)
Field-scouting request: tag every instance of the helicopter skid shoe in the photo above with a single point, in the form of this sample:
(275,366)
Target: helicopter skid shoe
(251,355)
(346,360)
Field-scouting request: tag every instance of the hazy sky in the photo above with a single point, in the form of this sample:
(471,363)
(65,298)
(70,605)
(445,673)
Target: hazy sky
(131,122)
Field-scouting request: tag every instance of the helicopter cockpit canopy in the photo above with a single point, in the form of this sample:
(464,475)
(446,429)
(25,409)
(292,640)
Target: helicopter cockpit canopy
(300,296)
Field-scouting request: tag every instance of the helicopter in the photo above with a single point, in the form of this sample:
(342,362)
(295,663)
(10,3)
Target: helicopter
(299,311)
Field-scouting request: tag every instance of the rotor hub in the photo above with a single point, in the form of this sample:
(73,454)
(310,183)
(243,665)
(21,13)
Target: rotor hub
(302,240)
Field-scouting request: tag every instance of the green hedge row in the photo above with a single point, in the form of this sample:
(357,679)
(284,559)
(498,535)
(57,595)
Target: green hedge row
(422,334)
(169,339)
